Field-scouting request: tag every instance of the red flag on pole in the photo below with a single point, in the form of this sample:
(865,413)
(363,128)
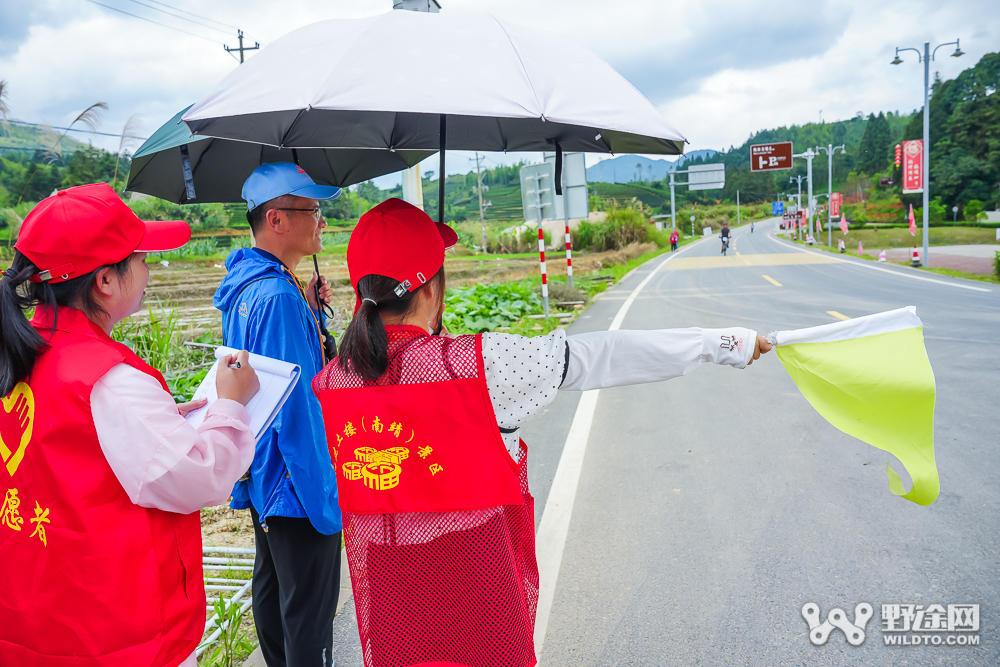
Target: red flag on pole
(843,223)
(913,222)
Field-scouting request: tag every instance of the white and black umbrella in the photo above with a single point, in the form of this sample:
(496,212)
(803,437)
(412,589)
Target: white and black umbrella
(176,166)
(486,85)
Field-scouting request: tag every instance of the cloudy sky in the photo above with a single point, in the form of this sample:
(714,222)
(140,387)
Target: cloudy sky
(718,70)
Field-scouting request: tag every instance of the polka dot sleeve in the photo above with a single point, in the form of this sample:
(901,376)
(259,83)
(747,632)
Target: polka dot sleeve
(522,375)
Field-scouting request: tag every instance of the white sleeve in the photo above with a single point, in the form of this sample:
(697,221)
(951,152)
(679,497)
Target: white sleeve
(522,376)
(161,461)
(615,358)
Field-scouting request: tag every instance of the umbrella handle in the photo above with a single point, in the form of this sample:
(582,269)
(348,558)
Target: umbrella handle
(443,135)
(329,344)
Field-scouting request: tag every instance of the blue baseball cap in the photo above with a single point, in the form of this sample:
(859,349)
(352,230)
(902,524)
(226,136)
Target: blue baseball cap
(269,181)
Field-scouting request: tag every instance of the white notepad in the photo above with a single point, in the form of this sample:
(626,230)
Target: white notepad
(277,379)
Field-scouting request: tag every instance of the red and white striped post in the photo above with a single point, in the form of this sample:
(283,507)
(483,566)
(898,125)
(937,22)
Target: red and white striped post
(541,259)
(569,257)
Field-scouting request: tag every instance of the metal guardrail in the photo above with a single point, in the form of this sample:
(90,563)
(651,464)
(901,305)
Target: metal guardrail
(218,586)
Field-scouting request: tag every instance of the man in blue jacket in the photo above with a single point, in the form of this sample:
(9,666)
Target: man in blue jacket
(291,487)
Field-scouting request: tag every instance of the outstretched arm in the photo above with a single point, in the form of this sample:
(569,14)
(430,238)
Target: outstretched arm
(615,358)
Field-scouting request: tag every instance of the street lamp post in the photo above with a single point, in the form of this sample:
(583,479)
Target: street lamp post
(830,150)
(926,57)
(809,155)
(798,201)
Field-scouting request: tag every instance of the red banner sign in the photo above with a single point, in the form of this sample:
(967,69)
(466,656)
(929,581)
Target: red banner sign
(835,200)
(913,166)
(769,157)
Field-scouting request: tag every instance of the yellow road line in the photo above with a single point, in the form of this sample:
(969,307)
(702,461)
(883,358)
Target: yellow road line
(764,259)
(772,281)
(839,316)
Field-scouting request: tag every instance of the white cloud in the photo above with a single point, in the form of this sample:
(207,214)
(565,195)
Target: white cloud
(718,69)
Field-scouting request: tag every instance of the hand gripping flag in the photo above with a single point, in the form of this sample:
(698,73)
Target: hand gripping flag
(870,377)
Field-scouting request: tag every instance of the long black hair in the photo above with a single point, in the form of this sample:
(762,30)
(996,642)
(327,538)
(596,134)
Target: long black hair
(20,343)
(364,349)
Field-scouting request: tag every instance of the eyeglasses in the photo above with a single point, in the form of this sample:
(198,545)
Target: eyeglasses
(315,211)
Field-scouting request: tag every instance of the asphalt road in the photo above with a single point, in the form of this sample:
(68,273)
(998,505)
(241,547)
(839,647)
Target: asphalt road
(711,508)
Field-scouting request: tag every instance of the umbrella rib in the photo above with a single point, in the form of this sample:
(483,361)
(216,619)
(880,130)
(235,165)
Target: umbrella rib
(524,69)
(292,124)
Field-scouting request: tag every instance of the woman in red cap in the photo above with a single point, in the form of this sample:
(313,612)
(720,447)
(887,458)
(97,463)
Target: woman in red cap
(100,538)
(423,432)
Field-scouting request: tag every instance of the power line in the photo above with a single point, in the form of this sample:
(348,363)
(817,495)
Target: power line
(143,18)
(74,129)
(177,16)
(183,11)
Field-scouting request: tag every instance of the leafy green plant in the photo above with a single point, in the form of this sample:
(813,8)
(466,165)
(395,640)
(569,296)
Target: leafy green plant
(234,643)
(486,307)
(200,247)
(152,340)
(973,211)
(182,387)
(996,265)
(622,225)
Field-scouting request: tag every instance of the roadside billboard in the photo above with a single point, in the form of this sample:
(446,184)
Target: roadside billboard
(913,166)
(706,177)
(835,200)
(771,157)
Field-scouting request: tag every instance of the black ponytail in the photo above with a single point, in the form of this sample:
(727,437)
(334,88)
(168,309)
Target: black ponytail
(20,343)
(364,349)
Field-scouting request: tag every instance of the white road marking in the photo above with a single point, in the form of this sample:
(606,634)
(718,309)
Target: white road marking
(901,274)
(550,540)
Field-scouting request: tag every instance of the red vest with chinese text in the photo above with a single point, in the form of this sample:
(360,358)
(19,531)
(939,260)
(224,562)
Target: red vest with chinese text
(438,520)
(87,578)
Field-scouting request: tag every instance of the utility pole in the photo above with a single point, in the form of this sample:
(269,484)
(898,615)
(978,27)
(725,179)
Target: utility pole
(673,206)
(482,211)
(241,48)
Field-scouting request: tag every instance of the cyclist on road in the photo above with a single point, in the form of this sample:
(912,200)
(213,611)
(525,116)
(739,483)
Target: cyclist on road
(724,235)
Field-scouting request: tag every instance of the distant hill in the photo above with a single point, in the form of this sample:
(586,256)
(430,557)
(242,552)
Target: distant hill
(626,168)
(28,138)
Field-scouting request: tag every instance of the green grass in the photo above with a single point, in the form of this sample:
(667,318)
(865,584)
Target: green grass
(961,274)
(900,237)
(933,269)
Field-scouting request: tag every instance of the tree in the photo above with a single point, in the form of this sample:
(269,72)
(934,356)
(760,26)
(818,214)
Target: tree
(873,151)
(89,165)
(973,210)
(964,136)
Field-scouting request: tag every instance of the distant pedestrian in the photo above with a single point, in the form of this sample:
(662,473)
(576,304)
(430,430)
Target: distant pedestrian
(673,240)
(751,228)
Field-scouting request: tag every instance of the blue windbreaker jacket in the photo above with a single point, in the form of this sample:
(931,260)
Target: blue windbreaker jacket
(264,311)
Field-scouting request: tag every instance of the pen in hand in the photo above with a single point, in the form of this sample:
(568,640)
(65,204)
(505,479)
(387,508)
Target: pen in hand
(236,378)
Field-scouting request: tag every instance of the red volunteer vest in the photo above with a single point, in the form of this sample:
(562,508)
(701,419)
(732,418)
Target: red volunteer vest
(438,520)
(87,578)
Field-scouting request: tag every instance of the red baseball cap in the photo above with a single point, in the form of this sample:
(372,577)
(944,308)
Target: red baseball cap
(398,240)
(78,230)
